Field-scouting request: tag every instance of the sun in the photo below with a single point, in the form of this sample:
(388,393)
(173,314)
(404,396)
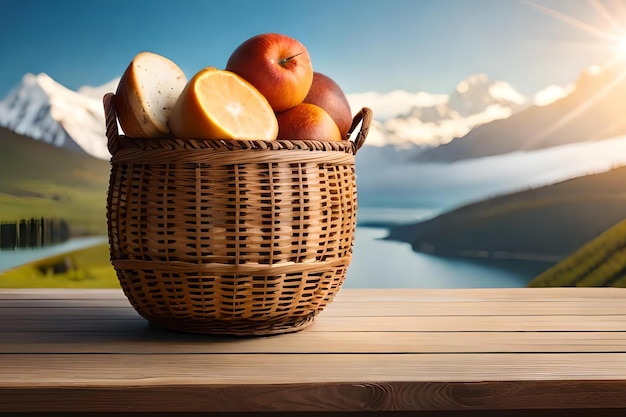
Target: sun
(612,34)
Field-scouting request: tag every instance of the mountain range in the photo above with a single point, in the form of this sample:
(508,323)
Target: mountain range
(594,110)
(541,224)
(41,108)
(480,117)
(419,121)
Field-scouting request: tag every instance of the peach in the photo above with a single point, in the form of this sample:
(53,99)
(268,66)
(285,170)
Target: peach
(307,121)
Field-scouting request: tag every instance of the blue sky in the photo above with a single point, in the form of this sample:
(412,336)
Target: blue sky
(365,45)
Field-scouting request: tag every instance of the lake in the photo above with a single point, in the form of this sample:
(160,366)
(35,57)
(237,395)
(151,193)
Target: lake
(394,190)
(378,263)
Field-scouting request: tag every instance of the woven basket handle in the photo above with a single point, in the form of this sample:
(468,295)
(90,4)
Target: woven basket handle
(365,116)
(110,116)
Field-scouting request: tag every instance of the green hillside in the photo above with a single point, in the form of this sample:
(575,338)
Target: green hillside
(547,223)
(599,263)
(41,180)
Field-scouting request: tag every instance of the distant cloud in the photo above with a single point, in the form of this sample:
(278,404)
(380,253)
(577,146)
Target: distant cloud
(551,94)
(376,135)
(504,91)
(395,103)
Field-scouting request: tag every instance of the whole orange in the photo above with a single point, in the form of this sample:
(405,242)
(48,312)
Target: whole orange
(307,121)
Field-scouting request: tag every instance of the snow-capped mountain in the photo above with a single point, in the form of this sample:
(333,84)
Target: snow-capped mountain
(429,120)
(43,109)
(591,111)
(478,93)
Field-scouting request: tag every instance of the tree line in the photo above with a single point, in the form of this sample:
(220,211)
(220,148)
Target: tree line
(33,233)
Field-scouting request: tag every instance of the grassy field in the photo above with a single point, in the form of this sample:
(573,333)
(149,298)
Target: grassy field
(40,180)
(85,268)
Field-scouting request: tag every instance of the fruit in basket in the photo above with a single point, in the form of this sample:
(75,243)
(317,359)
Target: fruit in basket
(327,94)
(146,93)
(307,121)
(217,104)
(279,66)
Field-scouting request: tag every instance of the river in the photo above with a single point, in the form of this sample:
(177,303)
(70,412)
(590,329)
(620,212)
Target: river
(16,257)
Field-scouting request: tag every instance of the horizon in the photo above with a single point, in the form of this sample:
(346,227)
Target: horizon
(413,46)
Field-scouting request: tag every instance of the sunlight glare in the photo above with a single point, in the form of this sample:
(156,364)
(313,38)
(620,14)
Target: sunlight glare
(622,45)
(615,33)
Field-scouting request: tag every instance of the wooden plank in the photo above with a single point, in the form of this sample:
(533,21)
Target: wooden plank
(327,323)
(343,398)
(493,308)
(76,324)
(92,370)
(151,341)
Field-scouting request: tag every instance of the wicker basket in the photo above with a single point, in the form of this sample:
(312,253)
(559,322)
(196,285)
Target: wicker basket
(231,237)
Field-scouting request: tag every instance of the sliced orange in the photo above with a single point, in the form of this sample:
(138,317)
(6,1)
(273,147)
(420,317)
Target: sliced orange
(217,104)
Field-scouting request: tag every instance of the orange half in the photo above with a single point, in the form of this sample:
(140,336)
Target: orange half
(217,104)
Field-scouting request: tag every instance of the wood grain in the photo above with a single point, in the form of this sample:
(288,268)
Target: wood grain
(337,397)
(369,351)
(142,341)
(154,369)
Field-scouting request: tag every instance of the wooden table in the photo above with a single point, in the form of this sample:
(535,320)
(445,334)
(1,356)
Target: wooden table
(417,352)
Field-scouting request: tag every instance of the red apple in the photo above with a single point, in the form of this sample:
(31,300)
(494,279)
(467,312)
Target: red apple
(277,65)
(307,122)
(327,94)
